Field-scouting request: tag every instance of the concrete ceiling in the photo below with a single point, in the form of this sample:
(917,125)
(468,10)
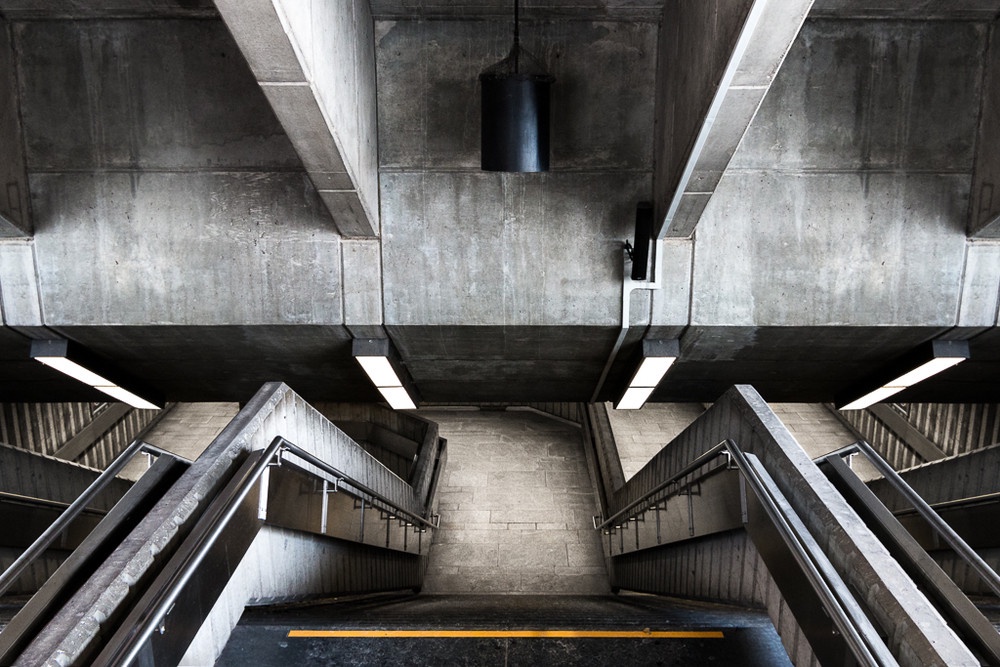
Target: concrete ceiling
(472,358)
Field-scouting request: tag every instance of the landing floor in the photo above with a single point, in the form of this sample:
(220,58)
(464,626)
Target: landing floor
(506,630)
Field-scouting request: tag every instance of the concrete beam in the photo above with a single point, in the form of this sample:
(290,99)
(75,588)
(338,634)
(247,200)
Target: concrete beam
(92,432)
(315,62)
(907,432)
(984,200)
(717,60)
(15,213)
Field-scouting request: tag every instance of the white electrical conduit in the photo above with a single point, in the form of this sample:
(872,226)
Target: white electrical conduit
(628,286)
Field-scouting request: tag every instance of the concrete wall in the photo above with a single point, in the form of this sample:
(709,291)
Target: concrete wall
(15,212)
(955,428)
(275,410)
(861,150)
(464,246)
(171,177)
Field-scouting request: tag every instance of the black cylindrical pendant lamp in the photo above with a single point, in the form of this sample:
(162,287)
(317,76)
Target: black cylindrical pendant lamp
(515,112)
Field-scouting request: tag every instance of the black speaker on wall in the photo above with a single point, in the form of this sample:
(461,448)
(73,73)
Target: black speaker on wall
(643,238)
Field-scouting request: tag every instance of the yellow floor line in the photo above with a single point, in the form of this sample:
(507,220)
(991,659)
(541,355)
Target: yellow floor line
(512,634)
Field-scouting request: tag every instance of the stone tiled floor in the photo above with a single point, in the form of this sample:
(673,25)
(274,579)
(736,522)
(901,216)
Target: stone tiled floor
(516,506)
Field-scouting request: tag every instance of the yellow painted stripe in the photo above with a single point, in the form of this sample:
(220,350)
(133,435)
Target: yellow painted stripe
(512,634)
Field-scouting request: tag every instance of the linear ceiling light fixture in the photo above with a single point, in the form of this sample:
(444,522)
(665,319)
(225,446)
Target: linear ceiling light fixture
(384,368)
(656,357)
(80,364)
(915,366)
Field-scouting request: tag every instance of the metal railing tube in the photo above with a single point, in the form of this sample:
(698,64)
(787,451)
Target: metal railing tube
(698,462)
(989,576)
(843,609)
(51,533)
(128,651)
(345,478)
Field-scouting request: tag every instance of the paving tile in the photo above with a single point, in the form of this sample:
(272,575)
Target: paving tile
(530,474)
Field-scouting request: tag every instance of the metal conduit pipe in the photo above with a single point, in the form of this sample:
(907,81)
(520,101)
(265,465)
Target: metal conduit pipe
(655,282)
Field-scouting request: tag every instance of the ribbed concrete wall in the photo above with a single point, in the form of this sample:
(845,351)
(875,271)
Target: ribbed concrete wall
(286,565)
(954,428)
(37,476)
(45,427)
(965,476)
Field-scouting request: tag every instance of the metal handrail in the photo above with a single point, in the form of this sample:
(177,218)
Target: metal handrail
(961,547)
(838,602)
(342,477)
(51,533)
(128,651)
(720,449)
(844,610)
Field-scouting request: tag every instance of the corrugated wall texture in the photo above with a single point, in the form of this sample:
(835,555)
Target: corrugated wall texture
(114,441)
(956,428)
(888,444)
(725,567)
(275,410)
(285,565)
(45,427)
(963,574)
(965,476)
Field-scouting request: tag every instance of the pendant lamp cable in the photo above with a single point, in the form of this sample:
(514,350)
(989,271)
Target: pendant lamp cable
(517,36)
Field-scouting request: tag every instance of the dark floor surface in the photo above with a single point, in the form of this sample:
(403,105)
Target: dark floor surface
(748,638)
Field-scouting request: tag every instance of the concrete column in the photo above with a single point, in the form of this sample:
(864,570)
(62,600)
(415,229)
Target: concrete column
(15,213)
(315,61)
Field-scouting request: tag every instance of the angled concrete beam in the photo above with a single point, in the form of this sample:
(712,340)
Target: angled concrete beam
(925,448)
(15,214)
(315,61)
(78,445)
(717,59)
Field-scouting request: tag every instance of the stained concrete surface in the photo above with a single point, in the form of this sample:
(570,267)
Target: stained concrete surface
(516,506)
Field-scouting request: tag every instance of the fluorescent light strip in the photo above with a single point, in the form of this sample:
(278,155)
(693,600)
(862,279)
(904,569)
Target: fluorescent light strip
(925,371)
(908,379)
(397,398)
(75,371)
(651,371)
(385,379)
(88,377)
(380,371)
(634,398)
(125,396)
